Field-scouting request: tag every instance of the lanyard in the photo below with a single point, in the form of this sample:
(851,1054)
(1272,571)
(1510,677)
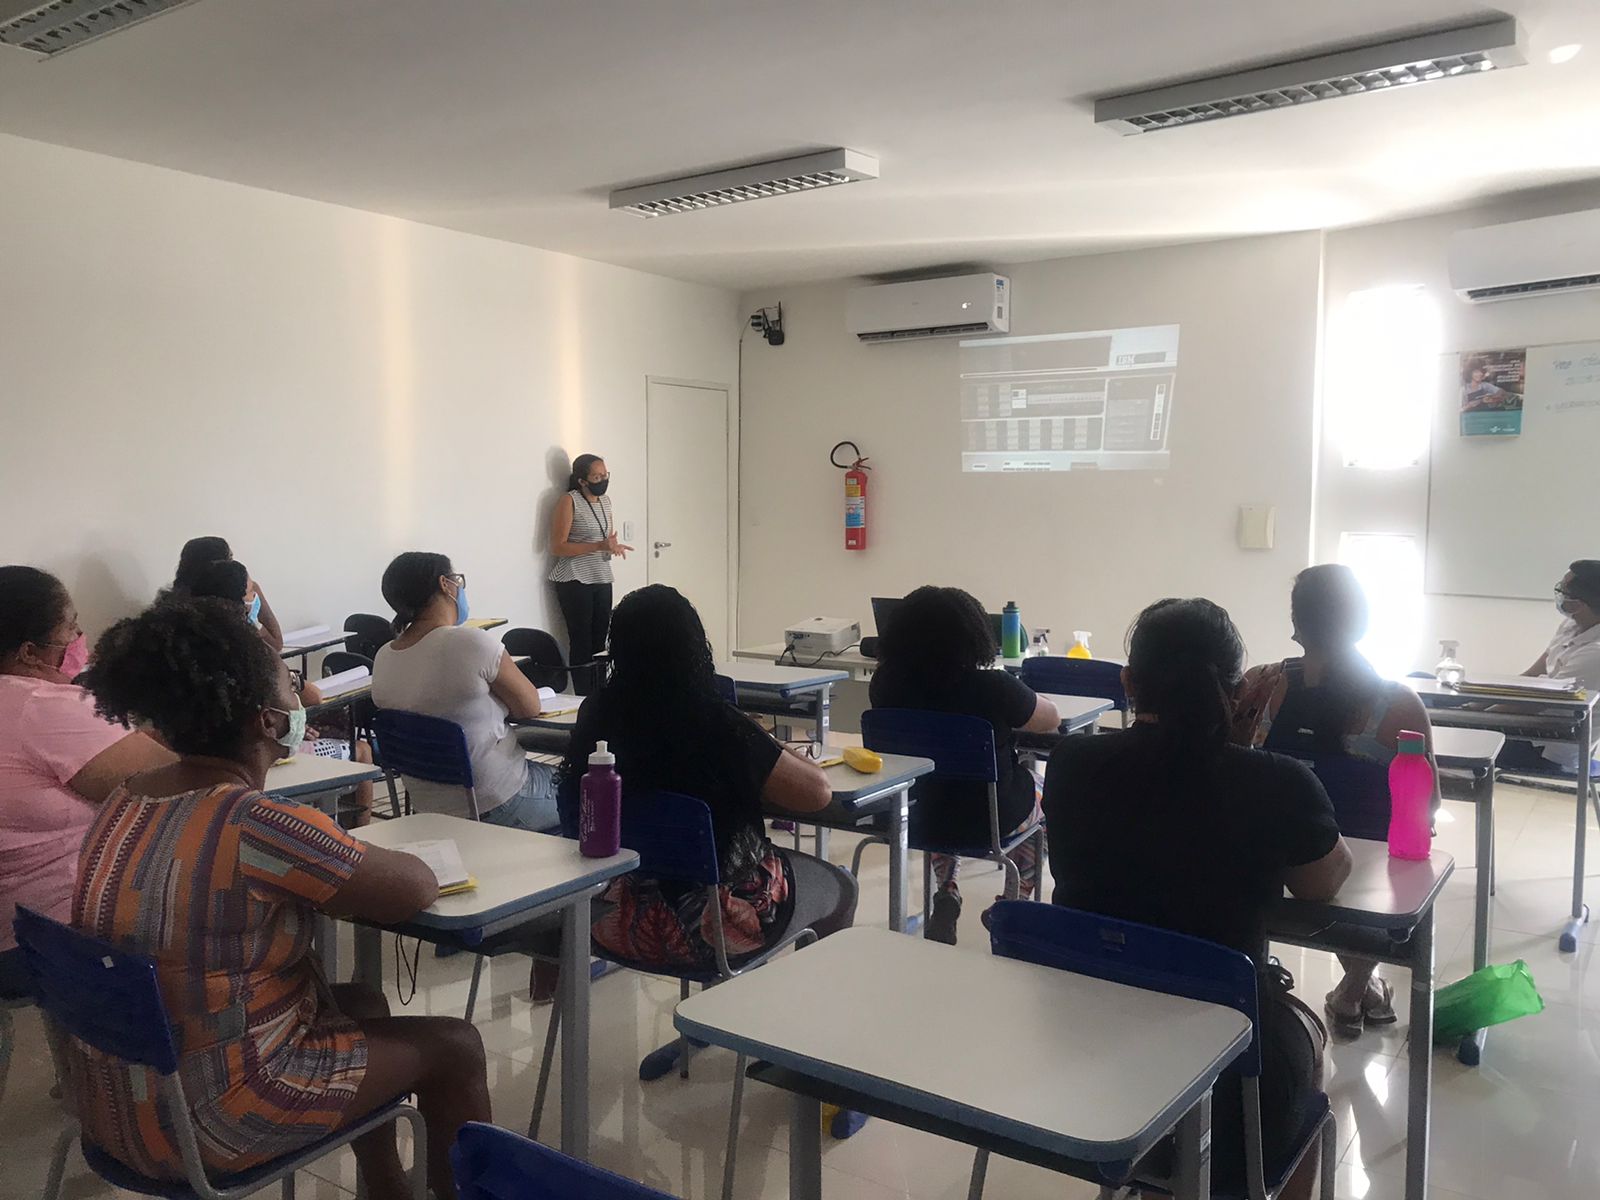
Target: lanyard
(605,528)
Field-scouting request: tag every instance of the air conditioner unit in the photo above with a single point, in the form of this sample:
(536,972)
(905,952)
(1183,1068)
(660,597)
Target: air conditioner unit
(955,306)
(1527,258)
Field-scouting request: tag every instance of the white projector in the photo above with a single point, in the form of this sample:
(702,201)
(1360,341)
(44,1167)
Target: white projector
(822,635)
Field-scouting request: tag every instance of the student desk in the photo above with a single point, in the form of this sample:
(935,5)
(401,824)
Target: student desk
(485,622)
(857,664)
(303,648)
(1547,719)
(1111,1069)
(521,876)
(784,691)
(1473,752)
(1079,714)
(1384,911)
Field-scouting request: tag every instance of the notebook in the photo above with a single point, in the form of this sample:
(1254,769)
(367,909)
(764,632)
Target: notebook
(443,857)
(553,703)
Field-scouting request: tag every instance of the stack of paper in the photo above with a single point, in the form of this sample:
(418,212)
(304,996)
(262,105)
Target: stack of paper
(1523,687)
(444,860)
(553,703)
(344,682)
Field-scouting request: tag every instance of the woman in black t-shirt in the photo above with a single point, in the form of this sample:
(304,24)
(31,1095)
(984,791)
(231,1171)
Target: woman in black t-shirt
(669,729)
(1169,825)
(938,654)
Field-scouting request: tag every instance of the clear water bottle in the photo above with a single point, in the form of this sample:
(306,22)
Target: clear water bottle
(1041,642)
(1449,671)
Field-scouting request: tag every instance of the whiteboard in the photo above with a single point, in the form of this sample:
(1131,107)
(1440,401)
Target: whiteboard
(1507,514)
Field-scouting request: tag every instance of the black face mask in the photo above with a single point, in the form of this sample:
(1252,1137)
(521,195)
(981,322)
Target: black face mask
(598,489)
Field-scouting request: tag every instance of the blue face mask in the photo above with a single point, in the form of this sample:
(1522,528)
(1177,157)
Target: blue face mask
(254,616)
(461,605)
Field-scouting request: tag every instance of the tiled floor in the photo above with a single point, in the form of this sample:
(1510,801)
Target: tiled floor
(1525,1124)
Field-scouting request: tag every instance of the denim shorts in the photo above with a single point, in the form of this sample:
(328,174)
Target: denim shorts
(533,807)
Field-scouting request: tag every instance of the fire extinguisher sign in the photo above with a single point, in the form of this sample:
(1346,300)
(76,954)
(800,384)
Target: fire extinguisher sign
(855,495)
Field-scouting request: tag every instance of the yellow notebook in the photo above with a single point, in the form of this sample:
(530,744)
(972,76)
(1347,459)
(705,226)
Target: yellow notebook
(443,857)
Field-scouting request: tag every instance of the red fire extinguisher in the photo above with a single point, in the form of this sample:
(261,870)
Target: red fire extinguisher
(855,496)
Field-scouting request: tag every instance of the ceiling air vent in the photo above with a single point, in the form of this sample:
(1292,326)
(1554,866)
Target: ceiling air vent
(778,177)
(60,25)
(1422,58)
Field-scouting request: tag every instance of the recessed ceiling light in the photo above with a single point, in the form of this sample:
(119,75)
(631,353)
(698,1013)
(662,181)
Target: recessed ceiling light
(1567,53)
(50,27)
(1422,58)
(778,177)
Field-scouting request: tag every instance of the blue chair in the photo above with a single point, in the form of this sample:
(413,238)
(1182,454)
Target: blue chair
(1077,677)
(108,998)
(490,1163)
(1163,961)
(674,838)
(962,748)
(1359,790)
(727,689)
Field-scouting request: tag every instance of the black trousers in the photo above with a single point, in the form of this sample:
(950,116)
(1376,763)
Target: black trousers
(586,608)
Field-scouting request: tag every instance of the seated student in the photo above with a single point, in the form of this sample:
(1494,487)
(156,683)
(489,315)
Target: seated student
(662,717)
(58,760)
(1168,825)
(1330,701)
(936,654)
(229,579)
(191,864)
(198,554)
(439,666)
(1574,653)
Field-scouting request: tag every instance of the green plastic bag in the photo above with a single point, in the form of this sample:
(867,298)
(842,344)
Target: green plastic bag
(1488,997)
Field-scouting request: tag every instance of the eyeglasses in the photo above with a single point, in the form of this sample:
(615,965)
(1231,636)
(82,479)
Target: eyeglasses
(461,580)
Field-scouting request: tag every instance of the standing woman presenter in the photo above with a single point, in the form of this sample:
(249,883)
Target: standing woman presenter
(583,538)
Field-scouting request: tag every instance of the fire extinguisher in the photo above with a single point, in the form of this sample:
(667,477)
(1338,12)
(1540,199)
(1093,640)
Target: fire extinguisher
(855,496)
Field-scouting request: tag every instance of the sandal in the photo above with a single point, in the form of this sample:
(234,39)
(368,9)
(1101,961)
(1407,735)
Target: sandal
(1377,1004)
(1344,1022)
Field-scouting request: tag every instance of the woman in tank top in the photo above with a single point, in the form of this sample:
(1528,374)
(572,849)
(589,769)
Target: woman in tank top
(583,538)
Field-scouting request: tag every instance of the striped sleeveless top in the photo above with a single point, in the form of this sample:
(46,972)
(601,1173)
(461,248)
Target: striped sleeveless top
(591,522)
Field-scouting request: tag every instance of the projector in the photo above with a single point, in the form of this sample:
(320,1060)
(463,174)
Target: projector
(822,635)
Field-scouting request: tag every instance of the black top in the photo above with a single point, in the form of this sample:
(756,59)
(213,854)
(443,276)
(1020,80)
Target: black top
(1201,851)
(717,755)
(956,813)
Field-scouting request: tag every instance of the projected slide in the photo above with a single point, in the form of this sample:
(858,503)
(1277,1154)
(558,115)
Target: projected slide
(1068,401)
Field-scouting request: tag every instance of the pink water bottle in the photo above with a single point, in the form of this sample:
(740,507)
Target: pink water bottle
(1410,799)
(600,806)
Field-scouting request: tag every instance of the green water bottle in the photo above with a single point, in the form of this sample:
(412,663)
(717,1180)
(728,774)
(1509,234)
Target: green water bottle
(1011,630)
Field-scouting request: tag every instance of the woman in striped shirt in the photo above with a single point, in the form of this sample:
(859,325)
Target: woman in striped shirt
(583,538)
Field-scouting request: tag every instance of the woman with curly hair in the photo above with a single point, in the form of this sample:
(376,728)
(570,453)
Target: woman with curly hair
(937,654)
(193,865)
(670,730)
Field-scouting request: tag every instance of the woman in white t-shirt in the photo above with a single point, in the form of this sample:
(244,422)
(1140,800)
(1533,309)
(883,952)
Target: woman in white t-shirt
(438,666)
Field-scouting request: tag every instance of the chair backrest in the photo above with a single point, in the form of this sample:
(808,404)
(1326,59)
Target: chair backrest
(1359,789)
(372,633)
(343,660)
(961,747)
(673,836)
(105,997)
(545,665)
(490,1163)
(727,689)
(1076,677)
(422,747)
(1142,956)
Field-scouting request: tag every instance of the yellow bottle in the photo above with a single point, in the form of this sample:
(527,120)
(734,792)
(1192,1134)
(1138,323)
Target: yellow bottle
(1080,644)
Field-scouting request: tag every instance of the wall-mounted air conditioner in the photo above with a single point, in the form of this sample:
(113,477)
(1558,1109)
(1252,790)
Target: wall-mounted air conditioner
(1527,258)
(955,306)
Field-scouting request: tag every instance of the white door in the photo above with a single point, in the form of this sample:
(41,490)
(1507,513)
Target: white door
(687,531)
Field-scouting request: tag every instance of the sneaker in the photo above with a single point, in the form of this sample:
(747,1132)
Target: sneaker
(942,920)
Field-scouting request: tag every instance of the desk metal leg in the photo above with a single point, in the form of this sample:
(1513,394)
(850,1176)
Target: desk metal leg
(805,1147)
(1469,1051)
(1192,1180)
(1419,1099)
(574,988)
(823,703)
(369,957)
(899,890)
(1580,910)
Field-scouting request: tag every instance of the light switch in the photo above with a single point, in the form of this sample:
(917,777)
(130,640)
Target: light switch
(1257,526)
(627,531)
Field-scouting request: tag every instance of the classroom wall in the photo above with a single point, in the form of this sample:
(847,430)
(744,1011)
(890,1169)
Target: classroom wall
(324,387)
(1495,635)
(1075,550)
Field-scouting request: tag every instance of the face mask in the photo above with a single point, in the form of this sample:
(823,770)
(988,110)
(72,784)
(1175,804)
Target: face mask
(296,733)
(599,489)
(461,605)
(254,615)
(75,658)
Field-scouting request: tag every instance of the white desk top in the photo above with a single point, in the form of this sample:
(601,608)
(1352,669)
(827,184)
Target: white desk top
(852,790)
(311,774)
(487,622)
(516,870)
(1078,711)
(313,643)
(1455,747)
(1382,892)
(1109,1067)
(785,681)
(771,652)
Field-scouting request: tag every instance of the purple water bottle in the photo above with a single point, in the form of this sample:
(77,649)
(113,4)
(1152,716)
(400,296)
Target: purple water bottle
(600,806)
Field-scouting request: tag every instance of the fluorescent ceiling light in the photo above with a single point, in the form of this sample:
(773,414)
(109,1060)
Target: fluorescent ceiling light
(1565,54)
(1422,58)
(49,27)
(755,182)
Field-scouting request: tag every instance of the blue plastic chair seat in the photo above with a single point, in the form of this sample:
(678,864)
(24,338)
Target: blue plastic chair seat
(495,1164)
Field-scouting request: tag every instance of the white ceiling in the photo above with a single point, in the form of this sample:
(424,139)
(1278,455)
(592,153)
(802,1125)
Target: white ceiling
(513,118)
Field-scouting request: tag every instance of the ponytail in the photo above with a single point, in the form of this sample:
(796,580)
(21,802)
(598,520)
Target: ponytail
(1185,660)
(410,582)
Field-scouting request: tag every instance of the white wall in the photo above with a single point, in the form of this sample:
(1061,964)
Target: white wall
(322,386)
(1074,550)
(1495,635)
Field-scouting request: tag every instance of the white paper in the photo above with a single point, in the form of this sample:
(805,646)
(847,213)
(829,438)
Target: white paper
(546,694)
(1535,683)
(443,857)
(310,633)
(556,703)
(345,681)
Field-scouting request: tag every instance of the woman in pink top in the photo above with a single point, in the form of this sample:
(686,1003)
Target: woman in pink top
(58,760)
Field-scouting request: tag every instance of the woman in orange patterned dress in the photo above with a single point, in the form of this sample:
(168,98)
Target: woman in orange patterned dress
(194,866)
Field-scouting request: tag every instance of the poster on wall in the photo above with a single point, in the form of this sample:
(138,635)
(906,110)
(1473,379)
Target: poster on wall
(1493,383)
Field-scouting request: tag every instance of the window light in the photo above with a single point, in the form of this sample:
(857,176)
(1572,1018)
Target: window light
(1383,376)
(1389,568)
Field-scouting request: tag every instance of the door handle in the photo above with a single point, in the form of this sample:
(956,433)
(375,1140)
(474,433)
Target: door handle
(662,545)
